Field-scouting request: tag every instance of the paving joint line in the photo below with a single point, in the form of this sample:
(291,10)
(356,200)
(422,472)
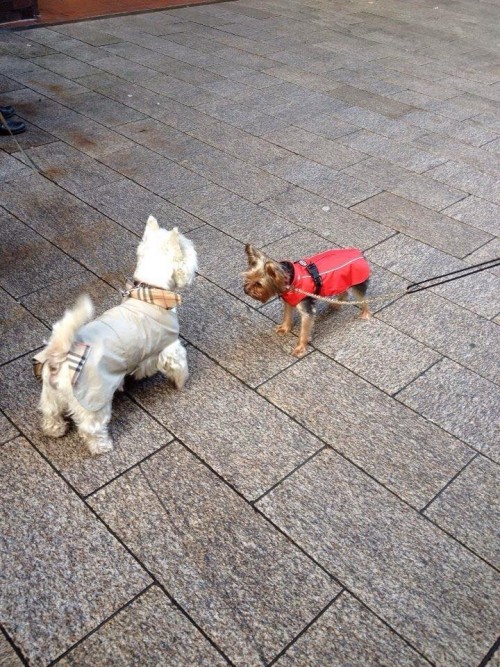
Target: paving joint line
(17,650)
(123,544)
(77,261)
(125,471)
(491,654)
(306,628)
(308,430)
(100,625)
(289,474)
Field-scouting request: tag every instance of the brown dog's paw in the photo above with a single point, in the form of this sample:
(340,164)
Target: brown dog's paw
(299,351)
(282,330)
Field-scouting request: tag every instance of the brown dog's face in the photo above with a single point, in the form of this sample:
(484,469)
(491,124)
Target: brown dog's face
(264,278)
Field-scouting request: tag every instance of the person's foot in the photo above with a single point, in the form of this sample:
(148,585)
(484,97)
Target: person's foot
(7,112)
(12,127)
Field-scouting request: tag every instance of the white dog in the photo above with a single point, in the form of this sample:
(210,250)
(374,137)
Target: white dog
(85,362)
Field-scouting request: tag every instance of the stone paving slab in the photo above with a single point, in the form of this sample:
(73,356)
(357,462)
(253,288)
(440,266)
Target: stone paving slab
(245,439)
(29,261)
(240,339)
(86,135)
(339,187)
(349,634)
(161,176)
(489,251)
(428,192)
(461,402)
(246,586)
(476,212)
(378,353)
(462,176)
(149,632)
(8,657)
(404,155)
(452,149)
(377,122)
(50,603)
(415,187)
(421,223)
(7,431)
(397,447)
(130,205)
(11,167)
(240,144)
(309,145)
(103,110)
(234,215)
(295,128)
(405,569)
(65,65)
(469,509)
(371,101)
(49,304)
(380,173)
(342,226)
(136,434)
(20,331)
(465,131)
(459,334)
(235,175)
(155,135)
(417,261)
(69,168)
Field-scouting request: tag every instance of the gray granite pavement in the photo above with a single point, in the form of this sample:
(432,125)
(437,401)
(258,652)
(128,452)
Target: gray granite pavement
(335,511)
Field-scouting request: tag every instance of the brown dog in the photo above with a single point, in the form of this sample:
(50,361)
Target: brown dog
(329,273)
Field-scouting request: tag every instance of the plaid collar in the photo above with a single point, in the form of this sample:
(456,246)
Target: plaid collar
(150,294)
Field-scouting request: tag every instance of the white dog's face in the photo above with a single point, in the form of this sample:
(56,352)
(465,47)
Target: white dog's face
(167,255)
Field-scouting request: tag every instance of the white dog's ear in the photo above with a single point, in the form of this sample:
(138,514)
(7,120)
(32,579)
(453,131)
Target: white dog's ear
(187,265)
(173,243)
(151,226)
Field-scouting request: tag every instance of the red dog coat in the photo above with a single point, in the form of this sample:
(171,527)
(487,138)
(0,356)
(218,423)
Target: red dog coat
(337,270)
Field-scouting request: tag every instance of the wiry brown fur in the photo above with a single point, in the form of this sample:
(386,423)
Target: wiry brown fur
(266,278)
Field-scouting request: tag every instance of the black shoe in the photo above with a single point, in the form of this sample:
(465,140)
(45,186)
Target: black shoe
(7,112)
(12,127)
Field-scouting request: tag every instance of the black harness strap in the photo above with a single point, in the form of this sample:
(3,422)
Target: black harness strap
(312,269)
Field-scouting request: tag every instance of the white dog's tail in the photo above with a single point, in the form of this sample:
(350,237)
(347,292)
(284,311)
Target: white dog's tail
(63,333)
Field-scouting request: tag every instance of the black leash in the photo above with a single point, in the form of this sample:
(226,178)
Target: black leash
(412,288)
(467,271)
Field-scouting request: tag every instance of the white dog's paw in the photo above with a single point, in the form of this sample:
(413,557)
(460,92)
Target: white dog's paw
(100,446)
(180,377)
(54,428)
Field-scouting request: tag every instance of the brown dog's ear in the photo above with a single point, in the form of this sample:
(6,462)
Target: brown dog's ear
(253,254)
(275,274)
(270,269)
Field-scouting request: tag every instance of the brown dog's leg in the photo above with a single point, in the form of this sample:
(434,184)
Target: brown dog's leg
(339,297)
(307,312)
(286,326)
(360,292)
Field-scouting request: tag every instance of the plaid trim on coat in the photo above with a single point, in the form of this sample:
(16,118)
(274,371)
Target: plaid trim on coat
(77,356)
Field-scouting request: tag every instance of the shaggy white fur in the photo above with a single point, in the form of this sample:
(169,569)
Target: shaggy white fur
(167,260)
